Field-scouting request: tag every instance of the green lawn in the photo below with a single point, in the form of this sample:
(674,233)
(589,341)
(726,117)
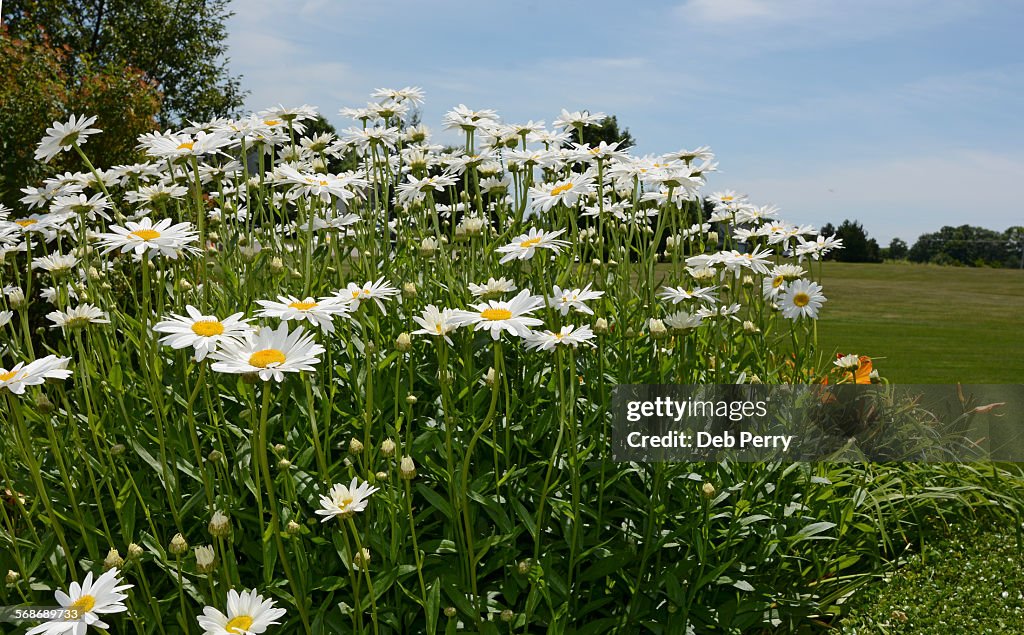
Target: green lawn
(927,324)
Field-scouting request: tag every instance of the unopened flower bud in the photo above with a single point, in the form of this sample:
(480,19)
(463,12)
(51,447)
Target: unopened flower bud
(206,559)
(355,446)
(135,552)
(409,290)
(449,611)
(381,476)
(117,449)
(276,265)
(220,525)
(658,329)
(407,468)
(411,400)
(387,448)
(748,281)
(708,490)
(214,456)
(507,615)
(362,559)
(293,528)
(185,285)
(12,577)
(16,298)
(750,327)
(370,348)
(428,247)
(600,326)
(284,464)
(178,545)
(523,566)
(489,377)
(113,560)
(404,342)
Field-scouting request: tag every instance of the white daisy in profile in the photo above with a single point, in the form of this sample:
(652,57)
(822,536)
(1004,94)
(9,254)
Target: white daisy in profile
(563,192)
(573,299)
(500,315)
(436,322)
(248,614)
(682,321)
(343,502)
(56,265)
(34,372)
(79,317)
(175,146)
(772,286)
(145,236)
(63,136)
(378,291)
(269,353)
(848,362)
(578,119)
(85,603)
(681,294)
(525,245)
(319,313)
(204,333)
(5,317)
(566,336)
(723,311)
(803,299)
(492,288)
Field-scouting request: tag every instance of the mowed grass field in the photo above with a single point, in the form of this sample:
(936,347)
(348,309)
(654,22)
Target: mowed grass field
(925,323)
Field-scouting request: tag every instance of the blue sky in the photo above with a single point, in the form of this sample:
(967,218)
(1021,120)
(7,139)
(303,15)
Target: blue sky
(903,114)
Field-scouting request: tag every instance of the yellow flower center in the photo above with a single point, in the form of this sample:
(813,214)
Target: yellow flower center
(801,299)
(777,282)
(302,306)
(207,328)
(726,198)
(564,187)
(436,326)
(146,234)
(26,222)
(238,624)
(323,183)
(187,145)
(530,242)
(82,605)
(266,357)
(9,375)
(345,502)
(272,122)
(495,314)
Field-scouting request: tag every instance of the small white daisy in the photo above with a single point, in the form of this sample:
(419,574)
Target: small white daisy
(34,372)
(499,315)
(85,603)
(62,136)
(269,353)
(204,333)
(436,322)
(152,238)
(343,502)
(525,245)
(318,312)
(566,336)
(248,614)
(573,299)
(803,299)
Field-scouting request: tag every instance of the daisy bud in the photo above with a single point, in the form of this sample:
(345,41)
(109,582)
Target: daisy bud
(214,236)
(355,446)
(708,490)
(362,559)
(387,448)
(428,247)
(407,468)
(178,545)
(658,329)
(293,528)
(507,615)
(754,379)
(296,274)
(43,404)
(748,281)
(670,242)
(460,232)
(112,560)
(449,611)
(280,448)
(93,273)
(750,327)
(185,285)
(601,326)
(523,566)
(12,577)
(134,551)
(206,559)
(381,476)
(16,298)
(220,525)
(409,290)
(403,343)
(284,464)
(117,449)
(630,332)
(713,237)
(489,377)
(411,400)
(214,456)
(276,265)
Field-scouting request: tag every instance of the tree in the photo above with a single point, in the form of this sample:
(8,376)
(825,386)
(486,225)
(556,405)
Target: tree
(607,131)
(898,249)
(967,245)
(36,90)
(857,246)
(179,46)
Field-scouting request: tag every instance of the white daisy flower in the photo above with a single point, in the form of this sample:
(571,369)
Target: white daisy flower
(318,312)
(682,321)
(145,236)
(525,245)
(492,288)
(416,190)
(34,372)
(848,362)
(563,192)
(377,291)
(204,333)
(727,311)
(578,119)
(62,136)
(78,317)
(248,614)
(5,317)
(499,315)
(436,322)
(566,299)
(343,502)
(269,353)
(803,299)
(57,264)
(680,294)
(85,603)
(156,194)
(175,146)
(566,336)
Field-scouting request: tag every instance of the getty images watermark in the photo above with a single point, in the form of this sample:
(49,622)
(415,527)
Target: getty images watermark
(877,422)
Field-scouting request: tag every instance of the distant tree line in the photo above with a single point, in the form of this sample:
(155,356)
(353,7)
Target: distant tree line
(963,246)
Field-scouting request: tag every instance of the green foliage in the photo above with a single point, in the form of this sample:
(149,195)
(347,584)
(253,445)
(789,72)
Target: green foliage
(607,131)
(963,583)
(36,89)
(969,246)
(898,249)
(179,45)
(857,246)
